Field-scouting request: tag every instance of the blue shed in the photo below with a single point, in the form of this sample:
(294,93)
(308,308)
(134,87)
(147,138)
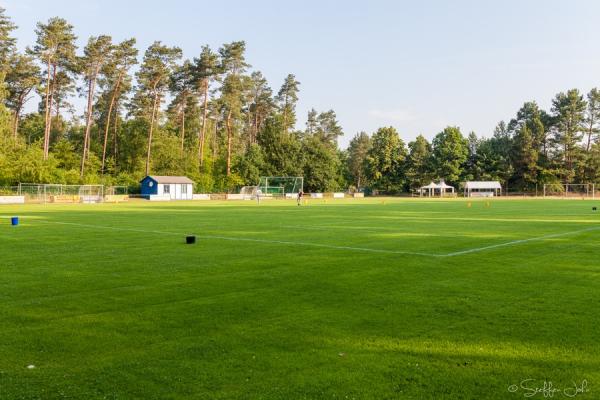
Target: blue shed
(167,187)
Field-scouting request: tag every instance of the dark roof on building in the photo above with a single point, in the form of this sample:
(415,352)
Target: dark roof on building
(171,179)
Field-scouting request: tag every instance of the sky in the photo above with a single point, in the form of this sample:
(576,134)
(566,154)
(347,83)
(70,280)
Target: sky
(415,65)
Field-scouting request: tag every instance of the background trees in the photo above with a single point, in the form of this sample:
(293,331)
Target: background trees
(224,126)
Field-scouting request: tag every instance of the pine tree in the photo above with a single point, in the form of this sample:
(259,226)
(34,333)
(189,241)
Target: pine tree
(233,64)
(287,97)
(206,70)
(592,117)
(55,47)
(96,55)
(153,81)
(569,113)
(116,82)
(23,77)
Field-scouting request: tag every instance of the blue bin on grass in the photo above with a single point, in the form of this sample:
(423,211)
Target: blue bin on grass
(14,221)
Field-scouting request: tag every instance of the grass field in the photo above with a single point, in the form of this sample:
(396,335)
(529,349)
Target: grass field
(352,299)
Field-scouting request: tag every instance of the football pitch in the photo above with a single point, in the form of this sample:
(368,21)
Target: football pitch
(345,299)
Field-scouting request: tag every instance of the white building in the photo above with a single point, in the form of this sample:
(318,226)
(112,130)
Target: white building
(483,189)
(167,187)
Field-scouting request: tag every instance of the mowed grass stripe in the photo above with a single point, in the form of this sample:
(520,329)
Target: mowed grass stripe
(327,246)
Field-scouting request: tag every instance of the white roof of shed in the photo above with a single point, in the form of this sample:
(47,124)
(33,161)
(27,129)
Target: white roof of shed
(483,185)
(171,179)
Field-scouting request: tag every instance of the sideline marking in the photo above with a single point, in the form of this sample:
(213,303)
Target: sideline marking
(515,242)
(365,249)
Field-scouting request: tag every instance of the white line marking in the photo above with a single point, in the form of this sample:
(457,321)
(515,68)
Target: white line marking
(232,238)
(365,249)
(515,242)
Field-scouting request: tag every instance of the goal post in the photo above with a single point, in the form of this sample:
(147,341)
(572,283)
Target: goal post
(570,190)
(59,193)
(279,186)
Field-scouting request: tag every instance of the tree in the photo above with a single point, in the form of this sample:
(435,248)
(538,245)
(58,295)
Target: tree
(96,54)
(116,83)
(321,165)
(182,87)
(450,151)
(206,69)
(22,78)
(525,157)
(569,112)
(233,64)
(592,117)
(358,151)
(158,64)
(287,97)
(327,128)
(261,103)
(385,160)
(55,47)
(418,170)
(250,167)
(7,43)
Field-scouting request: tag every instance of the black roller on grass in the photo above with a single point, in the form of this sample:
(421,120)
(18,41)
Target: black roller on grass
(190,239)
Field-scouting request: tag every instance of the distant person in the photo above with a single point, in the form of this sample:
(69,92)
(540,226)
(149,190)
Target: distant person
(299,198)
(258,193)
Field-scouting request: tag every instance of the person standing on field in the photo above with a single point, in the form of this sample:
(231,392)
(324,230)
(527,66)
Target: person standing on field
(258,193)
(299,198)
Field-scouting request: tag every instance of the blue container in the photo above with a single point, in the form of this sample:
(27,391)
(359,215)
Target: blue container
(14,221)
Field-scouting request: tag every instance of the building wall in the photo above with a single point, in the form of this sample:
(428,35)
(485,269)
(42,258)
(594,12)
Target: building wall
(147,189)
(176,191)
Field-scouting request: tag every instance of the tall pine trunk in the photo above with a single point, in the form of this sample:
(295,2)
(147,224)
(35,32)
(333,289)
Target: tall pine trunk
(16,120)
(182,127)
(115,134)
(48,101)
(229,142)
(106,128)
(590,133)
(88,123)
(203,130)
(150,133)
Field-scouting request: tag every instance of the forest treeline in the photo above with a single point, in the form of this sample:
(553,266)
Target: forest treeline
(217,120)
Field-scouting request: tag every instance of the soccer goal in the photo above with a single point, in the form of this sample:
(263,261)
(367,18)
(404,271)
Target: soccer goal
(57,193)
(248,192)
(570,190)
(279,186)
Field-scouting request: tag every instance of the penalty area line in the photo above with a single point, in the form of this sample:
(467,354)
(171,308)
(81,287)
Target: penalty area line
(241,239)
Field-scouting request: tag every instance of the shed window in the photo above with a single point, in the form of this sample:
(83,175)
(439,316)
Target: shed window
(184,189)
(167,189)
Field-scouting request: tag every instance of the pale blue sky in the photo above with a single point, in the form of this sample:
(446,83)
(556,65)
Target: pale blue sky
(417,66)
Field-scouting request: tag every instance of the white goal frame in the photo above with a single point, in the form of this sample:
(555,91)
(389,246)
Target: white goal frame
(279,186)
(59,193)
(570,190)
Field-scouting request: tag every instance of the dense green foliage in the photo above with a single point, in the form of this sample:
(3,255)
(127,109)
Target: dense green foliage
(261,307)
(217,121)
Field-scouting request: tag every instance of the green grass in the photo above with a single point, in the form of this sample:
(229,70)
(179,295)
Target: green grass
(134,313)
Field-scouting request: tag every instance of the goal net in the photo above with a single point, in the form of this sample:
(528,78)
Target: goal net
(57,193)
(570,190)
(279,186)
(248,192)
